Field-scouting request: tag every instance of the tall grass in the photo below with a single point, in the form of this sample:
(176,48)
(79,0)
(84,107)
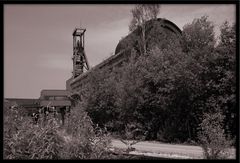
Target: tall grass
(77,139)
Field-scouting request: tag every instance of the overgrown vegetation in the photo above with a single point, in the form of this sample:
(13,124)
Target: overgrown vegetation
(168,91)
(78,139)
(178,91)
(212,137)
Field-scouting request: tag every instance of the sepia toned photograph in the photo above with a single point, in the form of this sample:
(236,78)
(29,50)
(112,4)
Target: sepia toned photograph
(120,81)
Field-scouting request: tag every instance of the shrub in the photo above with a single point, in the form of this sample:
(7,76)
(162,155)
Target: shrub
(132,135)
(84,140)
(25,140)
(78,139)
(212,138)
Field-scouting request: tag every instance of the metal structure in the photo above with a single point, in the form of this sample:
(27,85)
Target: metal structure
(80,62)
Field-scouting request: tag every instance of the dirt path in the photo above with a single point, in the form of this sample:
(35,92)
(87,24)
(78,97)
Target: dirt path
(186,151)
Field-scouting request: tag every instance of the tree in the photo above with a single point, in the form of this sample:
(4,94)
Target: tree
(212,137)
(198,42)
(225,69)
(100,97)
(167,91)
(141,14)
(199,35)
(214,67)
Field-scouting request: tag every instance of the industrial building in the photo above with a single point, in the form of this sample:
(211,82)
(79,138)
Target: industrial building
(161,29)
(51,101)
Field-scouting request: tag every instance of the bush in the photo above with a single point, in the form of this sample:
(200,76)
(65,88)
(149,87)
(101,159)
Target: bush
(84,141)
(25,140)
(212,138)
(78,139)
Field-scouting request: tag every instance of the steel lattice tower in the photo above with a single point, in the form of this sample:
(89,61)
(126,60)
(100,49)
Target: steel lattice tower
(80,63)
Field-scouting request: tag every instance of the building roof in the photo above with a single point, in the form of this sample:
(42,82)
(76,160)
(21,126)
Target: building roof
(51,92)
(23,102)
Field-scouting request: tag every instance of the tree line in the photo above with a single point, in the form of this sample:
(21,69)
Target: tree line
(164,92)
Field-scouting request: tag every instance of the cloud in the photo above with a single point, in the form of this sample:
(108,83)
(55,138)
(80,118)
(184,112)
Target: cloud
(185,13)
(102,41)
(55,61)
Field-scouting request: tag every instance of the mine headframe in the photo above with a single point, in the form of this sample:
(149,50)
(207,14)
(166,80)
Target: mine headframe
(80,62)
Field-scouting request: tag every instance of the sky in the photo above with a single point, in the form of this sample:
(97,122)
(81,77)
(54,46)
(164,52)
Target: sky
(38,38)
